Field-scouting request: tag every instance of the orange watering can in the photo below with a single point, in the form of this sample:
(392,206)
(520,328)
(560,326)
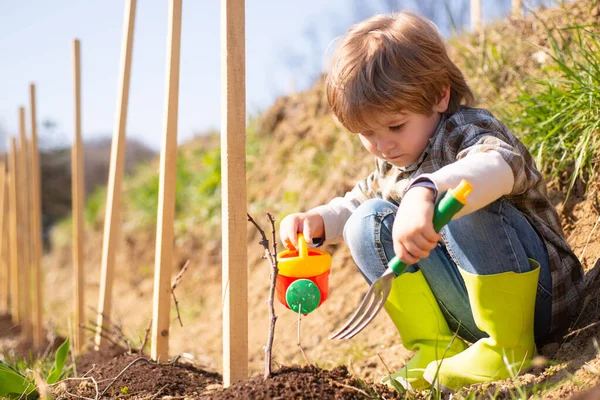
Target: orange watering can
(303,279)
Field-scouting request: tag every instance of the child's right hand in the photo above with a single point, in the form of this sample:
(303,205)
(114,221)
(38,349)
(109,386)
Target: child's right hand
(311,225)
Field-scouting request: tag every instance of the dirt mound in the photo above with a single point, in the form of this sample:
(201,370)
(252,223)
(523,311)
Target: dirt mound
(307,382)
(115,373)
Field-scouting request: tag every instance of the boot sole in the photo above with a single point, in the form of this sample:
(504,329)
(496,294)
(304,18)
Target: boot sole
(437,385)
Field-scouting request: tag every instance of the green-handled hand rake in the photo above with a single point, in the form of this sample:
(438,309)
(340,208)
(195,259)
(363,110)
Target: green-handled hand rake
(452,202)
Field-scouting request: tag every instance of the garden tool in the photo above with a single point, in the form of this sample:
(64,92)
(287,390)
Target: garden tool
(503,306)
(303,279)
(451,203)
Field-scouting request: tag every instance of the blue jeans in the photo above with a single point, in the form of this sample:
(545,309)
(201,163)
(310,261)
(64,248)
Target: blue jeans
(495,239)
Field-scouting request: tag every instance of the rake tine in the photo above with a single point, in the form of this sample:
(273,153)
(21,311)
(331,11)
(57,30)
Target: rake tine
(372,314)
(363,305)
(372,306)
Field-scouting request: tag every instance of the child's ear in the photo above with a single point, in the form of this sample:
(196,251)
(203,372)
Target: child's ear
(442,105)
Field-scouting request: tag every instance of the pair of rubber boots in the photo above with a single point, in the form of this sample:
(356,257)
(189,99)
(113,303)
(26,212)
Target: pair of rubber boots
(503,307)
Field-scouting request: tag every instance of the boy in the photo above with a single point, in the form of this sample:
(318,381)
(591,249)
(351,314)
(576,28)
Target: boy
(501,274)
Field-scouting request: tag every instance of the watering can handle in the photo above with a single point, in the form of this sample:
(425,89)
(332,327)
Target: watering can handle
(302,246)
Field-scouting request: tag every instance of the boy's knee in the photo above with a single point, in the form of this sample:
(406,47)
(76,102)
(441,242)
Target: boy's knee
(364,219)
(366,212)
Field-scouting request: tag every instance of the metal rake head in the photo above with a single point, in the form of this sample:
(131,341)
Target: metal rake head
(370,305)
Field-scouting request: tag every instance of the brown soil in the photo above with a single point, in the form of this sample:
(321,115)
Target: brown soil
(305,382)
(115,373)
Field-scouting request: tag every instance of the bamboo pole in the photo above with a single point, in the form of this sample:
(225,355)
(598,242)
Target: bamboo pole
(233,183)
(517,8)
(36,226)
(15,256)
(113,198)
(78,199)
(4,274)
(476,15)
(24,202)
(166,200)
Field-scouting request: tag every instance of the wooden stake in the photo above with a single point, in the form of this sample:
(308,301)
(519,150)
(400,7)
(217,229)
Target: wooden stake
(476,15)
(517,8)
(113,198)
(36,226)
(5,284)
(233,183)
(78,198)
(4,275)
(15,256)
(166,199)
(25,225)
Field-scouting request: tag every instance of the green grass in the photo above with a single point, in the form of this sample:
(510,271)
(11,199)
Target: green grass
(559,116)
(94,206)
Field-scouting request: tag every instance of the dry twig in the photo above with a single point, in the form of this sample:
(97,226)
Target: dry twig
(103,334)
(589,238)
(155,395)
(298,342)
(80,379)
(116,331)
(271,255)
(578,331)
(175,283)
(141,348)
(367,396)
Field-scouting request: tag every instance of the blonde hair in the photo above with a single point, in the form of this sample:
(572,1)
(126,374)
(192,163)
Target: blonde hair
(391,63)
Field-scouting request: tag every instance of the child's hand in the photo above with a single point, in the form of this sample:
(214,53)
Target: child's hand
(311,225)
(413,233)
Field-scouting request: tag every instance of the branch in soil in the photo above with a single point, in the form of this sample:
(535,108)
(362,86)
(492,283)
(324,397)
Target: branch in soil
(103,334)
(271,255)
(141,348)
(299,343)
(175,283)
(116,330)
(96,397)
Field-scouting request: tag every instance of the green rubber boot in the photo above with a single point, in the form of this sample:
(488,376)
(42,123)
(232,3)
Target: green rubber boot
(503,307)
(422,327)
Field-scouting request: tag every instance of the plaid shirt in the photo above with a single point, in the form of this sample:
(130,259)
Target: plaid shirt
(473,130)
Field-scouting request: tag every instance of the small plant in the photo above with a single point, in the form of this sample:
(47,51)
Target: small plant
(14,384)
(18,384)
(58,370)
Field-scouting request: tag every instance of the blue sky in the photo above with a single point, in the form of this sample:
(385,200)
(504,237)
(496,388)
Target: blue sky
(36,41)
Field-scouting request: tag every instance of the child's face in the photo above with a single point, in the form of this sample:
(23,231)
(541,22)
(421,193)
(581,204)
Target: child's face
(400,138)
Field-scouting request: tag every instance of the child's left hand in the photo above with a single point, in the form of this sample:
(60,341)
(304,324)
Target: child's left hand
(413,233)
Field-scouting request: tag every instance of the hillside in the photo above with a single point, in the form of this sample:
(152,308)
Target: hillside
(298,158)
(55,166)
